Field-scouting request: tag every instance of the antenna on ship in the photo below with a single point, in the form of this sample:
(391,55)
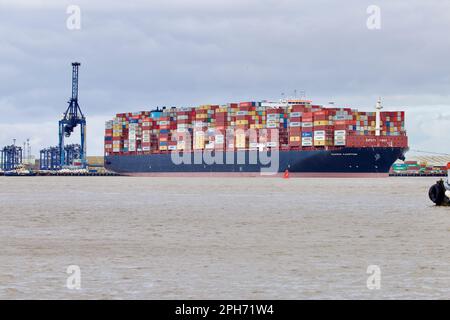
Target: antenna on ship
(303,95)
(283,98)
(378,118)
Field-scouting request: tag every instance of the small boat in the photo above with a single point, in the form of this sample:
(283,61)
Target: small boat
(439,193)
(20,171)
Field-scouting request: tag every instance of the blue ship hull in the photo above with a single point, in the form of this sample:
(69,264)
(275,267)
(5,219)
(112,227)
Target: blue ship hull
(341,162)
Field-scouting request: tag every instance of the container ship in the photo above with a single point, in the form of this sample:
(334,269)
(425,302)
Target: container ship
(256,138)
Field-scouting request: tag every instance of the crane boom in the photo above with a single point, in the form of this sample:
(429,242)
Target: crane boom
(72,118)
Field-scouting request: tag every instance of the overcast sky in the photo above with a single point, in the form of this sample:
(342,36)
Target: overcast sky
(139,54)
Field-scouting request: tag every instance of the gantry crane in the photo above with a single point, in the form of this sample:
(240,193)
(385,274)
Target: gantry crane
(71,118)
(11,157)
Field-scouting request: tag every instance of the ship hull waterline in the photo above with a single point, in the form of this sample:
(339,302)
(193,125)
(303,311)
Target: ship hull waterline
(345,162)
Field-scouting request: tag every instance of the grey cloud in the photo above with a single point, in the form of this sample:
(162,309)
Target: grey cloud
(139,54)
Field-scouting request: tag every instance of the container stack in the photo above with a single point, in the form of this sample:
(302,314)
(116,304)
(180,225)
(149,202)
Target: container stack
(323,127)
(295,126)
(307,129)
(393,123)
(147,124)
(363,123)
(109,136)
(251,125)
(417,168)
(183,128)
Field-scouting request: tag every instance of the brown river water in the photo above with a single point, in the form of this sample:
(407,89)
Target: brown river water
(222,238)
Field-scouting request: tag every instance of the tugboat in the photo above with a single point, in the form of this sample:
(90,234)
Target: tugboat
(439,193)
(19,171)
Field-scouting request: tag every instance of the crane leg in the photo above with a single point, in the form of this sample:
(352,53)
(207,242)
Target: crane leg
(61,144)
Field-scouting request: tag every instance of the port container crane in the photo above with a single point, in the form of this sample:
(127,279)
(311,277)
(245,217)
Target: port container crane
(71,119)
(50,157)
(11,157)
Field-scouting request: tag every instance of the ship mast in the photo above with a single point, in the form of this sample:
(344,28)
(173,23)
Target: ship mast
(378,118)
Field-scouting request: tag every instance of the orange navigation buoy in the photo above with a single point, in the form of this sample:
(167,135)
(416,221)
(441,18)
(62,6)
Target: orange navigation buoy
(286,174)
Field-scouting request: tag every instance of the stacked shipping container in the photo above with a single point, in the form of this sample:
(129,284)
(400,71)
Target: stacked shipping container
(248,125)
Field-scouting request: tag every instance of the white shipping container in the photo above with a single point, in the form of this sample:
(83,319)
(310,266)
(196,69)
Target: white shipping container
(307,124)
(219,138)
(295,114)
(319,138)
(172,148)
(272,144)
(295,124)
(339,143)
(145,148)
(307,143)
(319,133)
(339,132)
(307,139)
(199,124)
